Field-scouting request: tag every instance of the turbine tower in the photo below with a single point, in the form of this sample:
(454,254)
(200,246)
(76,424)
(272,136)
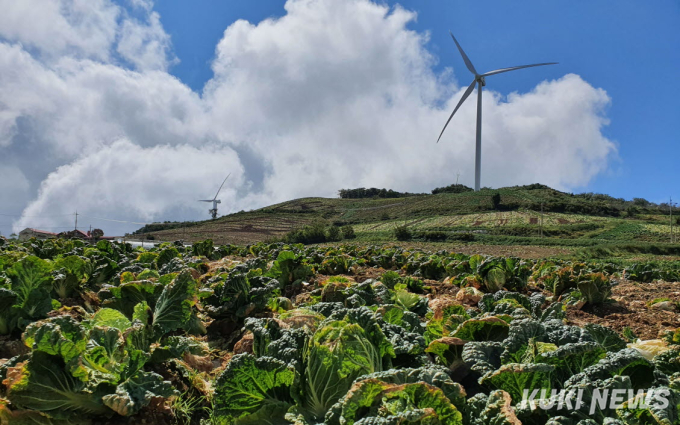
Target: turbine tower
(215,201)
(479,81)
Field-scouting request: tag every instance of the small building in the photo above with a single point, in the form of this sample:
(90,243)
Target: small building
(75,234)
(89,236)
(29,233)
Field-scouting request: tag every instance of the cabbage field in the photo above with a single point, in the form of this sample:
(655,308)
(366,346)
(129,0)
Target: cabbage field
(364,335)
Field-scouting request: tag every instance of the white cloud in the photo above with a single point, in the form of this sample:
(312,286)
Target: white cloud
(145,46)
(82,28)
(78,105)
(87,29)
(334,94)
(133,183)
(13,186)
(144,4)
(341,94)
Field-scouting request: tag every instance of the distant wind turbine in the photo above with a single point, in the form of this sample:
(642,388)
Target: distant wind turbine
(480,81)
(215,201)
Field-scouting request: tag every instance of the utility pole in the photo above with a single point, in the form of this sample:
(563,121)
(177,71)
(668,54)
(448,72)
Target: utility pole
(76,228)
(457,176)
(670,214)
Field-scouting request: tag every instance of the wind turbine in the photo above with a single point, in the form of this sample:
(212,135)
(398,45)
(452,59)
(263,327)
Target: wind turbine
(215,201)
(479,81)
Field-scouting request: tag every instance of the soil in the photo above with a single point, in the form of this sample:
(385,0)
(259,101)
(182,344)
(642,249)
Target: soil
(10,347)
(630,309)
(368,273)
(439,289)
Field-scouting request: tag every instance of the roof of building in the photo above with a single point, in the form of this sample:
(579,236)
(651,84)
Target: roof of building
(76,233)
(44,232)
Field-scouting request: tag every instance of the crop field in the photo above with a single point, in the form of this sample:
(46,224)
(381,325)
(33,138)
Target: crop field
(237,229)
(578,220)
(484,220)
(255,227)
(274,333)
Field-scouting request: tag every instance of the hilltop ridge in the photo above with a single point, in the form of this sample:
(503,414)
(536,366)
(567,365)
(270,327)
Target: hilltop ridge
(510,215)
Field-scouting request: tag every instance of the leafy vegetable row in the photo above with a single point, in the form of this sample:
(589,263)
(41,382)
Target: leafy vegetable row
(103,326)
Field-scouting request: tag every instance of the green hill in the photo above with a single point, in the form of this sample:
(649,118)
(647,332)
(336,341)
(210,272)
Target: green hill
(506,216)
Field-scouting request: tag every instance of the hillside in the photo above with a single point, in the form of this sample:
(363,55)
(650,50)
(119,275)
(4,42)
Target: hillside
(516,218)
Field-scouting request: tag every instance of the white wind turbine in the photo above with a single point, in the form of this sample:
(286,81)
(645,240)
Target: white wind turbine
(480,81)
(215,201)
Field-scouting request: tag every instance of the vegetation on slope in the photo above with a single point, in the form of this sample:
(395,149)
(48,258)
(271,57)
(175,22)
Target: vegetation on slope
(504,216)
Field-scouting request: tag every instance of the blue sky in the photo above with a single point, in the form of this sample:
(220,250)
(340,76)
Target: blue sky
(129,111)
(629,48)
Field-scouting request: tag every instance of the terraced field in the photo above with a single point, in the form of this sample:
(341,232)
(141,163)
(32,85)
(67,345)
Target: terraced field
(518,215)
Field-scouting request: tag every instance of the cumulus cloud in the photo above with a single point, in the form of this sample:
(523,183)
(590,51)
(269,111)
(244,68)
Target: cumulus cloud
(87,29)
(146,46)
(81,28)
(134,183)
(14,188)
(79,105)
(144,4)
(333,94)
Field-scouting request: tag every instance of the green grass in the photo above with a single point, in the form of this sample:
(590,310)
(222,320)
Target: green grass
(599,225)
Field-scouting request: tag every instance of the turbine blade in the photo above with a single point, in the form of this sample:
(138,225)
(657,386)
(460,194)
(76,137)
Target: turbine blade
(462,99)
(218,190)
(500,71)
(205,200)
(468,63)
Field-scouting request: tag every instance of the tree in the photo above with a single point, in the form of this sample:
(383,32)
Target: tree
(97,234)
(496,200)
(334,233)
(403,233)
(348,232)
(453,188)
(632,211)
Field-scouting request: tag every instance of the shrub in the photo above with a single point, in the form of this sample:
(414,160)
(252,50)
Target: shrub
(315,232)
(403,233)
(632,211)
(496,200)
(463,237)
(318,232)
(434,236)
(452,188)
(371,193)
(348,232)
(334,233)
(308,234)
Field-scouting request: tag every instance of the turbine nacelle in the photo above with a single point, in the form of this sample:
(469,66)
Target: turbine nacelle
(215,201)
